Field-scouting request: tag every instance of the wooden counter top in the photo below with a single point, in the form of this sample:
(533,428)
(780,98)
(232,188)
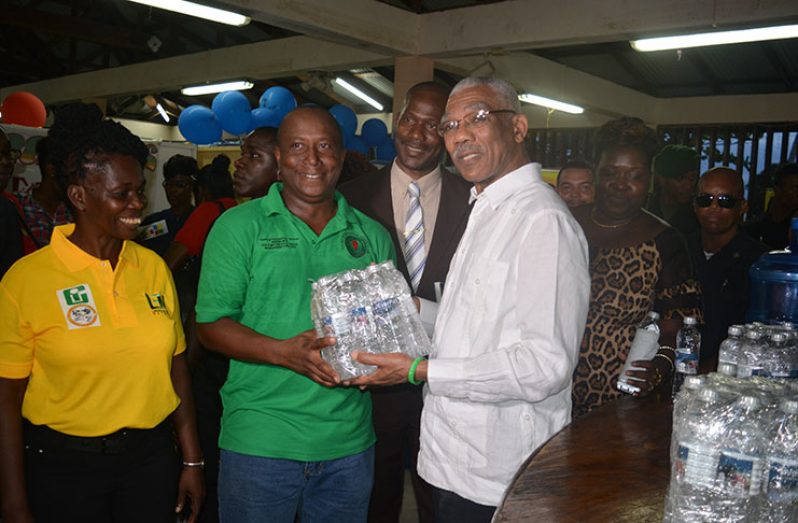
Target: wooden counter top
(610,466)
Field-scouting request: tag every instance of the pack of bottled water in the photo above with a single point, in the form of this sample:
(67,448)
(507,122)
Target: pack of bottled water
(369,310)
(769,351)
(734,450)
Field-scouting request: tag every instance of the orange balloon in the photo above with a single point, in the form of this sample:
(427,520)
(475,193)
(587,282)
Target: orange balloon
(24,108)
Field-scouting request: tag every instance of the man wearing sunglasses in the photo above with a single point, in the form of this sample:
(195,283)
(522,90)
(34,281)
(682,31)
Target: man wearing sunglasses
(722,254)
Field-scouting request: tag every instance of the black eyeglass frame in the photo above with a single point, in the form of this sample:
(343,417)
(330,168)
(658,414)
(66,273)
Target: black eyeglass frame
(725,201)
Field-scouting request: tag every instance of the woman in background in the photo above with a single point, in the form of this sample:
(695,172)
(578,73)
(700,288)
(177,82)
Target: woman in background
(638,263)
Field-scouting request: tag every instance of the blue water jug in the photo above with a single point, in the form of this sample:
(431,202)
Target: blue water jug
(774,288)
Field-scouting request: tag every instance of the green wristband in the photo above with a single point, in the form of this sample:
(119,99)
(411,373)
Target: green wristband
(411,374)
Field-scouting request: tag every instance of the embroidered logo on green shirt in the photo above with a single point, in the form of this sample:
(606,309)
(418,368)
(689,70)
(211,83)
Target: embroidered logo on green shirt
(279,243)
(356,246)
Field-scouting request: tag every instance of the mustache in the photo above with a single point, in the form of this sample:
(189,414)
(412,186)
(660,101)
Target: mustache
(464,149)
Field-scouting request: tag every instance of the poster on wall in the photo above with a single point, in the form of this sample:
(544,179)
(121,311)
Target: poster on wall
(26,171)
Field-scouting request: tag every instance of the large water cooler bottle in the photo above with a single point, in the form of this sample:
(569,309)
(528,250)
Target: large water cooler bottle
(774,284)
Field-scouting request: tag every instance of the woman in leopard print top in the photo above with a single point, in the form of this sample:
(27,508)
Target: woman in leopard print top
(638,263)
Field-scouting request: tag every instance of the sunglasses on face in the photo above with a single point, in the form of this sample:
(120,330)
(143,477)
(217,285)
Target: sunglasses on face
(725,201)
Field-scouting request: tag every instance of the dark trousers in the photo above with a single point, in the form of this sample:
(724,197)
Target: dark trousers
(397,423)
(130,476)
(453,508)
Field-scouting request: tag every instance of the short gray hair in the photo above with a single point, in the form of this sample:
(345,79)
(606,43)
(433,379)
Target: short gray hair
(506,93)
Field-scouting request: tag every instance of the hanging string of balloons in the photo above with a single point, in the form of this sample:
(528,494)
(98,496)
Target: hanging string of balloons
(230,111)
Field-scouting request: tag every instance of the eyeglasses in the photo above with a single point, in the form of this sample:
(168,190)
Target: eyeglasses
(725,201)
(475,119)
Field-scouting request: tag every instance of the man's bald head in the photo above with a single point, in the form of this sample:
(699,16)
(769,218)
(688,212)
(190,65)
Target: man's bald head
(733,179)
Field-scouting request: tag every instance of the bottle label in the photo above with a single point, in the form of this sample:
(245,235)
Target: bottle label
(335,325)
(782,481)
(739,474)
(696,464)
(388,307)
(686,362)
(359,316)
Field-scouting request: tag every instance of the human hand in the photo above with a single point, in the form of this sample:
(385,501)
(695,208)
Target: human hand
(647,375)
(302,354)
(191,488)
(391,368)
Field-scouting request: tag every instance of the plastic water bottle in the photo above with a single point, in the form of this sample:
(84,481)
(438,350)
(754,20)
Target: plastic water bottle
(688,347)
(729,351)
(390,327)
(779,502)
(752,354)
(778,359)
(644,346)
(740,464)
(695,459)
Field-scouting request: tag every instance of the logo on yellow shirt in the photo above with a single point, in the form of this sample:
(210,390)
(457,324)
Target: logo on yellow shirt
(156,302)
(78,306)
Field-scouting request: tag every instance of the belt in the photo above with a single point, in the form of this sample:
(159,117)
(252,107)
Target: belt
(45,438)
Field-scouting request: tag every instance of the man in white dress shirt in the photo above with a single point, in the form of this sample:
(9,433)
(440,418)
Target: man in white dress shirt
(511,319)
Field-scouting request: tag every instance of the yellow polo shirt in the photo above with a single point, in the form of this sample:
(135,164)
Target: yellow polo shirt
(96,343)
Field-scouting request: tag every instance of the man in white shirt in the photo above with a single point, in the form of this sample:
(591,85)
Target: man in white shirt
(511,319)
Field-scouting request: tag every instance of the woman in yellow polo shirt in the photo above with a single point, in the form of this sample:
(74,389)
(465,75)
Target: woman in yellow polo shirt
(93,381)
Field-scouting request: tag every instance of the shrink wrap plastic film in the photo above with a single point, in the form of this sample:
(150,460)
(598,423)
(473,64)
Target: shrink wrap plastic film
(734,451)
(369,310)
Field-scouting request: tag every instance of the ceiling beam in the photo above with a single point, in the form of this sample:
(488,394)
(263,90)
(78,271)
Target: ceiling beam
(258,61)
(71,27)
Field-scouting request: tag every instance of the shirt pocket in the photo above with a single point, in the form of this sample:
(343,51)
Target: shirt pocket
(484,291)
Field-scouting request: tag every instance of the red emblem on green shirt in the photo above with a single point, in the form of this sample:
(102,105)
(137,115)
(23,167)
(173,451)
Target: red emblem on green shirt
(356,246)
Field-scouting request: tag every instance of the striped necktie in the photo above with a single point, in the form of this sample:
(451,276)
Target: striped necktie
(415,254)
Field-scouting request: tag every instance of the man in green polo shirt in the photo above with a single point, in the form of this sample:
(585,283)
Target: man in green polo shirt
(292,441)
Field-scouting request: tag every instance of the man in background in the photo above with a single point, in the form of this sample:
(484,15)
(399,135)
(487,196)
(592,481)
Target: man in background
(722,255)
(774,228)
(675,176)
(575,183)
(425,208)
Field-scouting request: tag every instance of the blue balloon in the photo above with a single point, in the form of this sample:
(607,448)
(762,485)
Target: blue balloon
(262,117)
(357,144)
(374,132)
(233,112)
(278,99)
(385,152)
(346,118)
(198,125)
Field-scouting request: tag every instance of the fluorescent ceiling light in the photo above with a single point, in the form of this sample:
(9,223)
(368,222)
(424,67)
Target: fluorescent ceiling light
(196,90)
(716,38)
(162,112)
(360,94)
(201,11)
(551,104)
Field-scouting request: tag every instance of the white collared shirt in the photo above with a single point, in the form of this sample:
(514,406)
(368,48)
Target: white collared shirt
(506,340)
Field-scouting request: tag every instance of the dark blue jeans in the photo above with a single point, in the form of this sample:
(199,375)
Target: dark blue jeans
(253,489)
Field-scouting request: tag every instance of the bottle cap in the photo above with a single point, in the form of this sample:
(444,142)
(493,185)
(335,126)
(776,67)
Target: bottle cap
(690,320)
(753,335)
(749,402)
(708,395)
(736,330)
(778,337)
(694,382)
(727,369)
(790,406)
(654,315)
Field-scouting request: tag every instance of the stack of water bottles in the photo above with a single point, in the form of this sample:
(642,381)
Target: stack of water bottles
(769,351)
(369,310)
(734,450)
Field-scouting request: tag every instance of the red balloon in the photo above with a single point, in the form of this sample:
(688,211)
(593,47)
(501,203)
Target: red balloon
(24,108)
